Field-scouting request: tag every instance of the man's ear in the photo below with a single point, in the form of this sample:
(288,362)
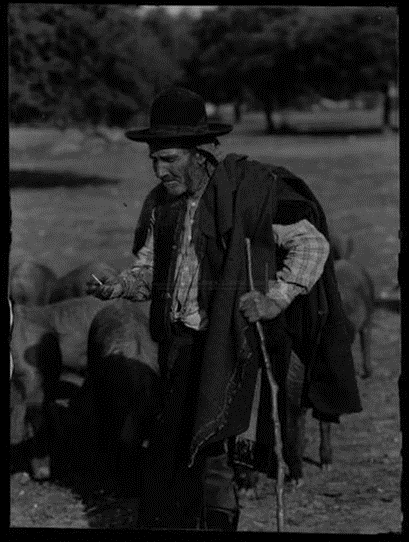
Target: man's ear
(200,156)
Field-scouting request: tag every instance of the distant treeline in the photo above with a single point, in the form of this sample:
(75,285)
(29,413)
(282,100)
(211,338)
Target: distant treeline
(102,64)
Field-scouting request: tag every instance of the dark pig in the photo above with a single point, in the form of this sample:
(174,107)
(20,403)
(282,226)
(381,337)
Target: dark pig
(44,342)
(123,373)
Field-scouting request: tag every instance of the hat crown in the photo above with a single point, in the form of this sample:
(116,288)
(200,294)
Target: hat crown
(178,115)
(178,106)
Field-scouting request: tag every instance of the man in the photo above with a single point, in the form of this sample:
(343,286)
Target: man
(190,260)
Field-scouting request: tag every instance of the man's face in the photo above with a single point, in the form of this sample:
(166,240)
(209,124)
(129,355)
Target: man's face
(176,168)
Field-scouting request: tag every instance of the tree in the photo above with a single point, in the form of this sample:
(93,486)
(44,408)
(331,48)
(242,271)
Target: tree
(26,40)
(282,53)
(272,68)
(173,33)
(136,66)
(230,55)
(82,63)
(351,50)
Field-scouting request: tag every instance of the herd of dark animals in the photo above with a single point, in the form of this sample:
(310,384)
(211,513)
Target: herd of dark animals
(85,372)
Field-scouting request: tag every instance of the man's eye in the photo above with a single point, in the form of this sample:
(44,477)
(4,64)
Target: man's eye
(165,159)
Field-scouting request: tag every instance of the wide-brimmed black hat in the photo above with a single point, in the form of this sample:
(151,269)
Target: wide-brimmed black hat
(179,114)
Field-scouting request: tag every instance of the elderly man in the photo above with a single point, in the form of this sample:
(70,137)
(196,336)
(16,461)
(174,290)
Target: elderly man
(190,260)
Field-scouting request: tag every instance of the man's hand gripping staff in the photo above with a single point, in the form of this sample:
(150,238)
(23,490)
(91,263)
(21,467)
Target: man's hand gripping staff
(257,306)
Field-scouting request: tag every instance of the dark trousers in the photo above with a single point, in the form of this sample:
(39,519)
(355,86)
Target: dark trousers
(173,495)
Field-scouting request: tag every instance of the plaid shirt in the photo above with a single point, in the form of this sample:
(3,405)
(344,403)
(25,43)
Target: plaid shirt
(307,251)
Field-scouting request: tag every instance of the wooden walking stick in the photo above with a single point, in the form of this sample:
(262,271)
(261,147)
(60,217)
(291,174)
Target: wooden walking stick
(274,407)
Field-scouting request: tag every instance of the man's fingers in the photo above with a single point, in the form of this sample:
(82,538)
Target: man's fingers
(244,297)
(108,279)
(110,291)
(246,300)
(249,299)
(100,291)
(92,286)
(253,318)
(103,287)
(251,313)
(256,306)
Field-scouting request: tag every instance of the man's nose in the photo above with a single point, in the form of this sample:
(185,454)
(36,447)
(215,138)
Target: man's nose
(161,171)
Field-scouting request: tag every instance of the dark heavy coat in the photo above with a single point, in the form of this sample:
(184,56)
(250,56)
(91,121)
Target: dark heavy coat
(242,200)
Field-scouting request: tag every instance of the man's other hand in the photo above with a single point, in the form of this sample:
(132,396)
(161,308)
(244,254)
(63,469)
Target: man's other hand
(257,306)
(109,289)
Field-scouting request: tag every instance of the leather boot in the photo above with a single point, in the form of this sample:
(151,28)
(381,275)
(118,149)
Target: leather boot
(221,506)
(220,519)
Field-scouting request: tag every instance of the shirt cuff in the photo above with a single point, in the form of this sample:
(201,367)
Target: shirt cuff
(136,283)
(283,293)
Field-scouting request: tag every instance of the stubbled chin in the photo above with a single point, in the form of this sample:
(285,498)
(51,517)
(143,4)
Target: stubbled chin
(175,190)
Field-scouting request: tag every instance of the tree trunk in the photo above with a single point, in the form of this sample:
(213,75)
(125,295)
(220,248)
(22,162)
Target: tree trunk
(237,111)
(268,110)
(386,107)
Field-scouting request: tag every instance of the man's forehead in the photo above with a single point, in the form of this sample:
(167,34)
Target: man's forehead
(165,153)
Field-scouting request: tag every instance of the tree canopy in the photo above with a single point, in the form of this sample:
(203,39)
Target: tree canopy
(101,63)
(281,53)
(83,63)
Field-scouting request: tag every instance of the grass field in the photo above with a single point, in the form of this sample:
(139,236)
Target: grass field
(91,213)
(75,200)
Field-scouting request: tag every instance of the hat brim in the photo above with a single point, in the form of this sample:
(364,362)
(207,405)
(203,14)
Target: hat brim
(213,129)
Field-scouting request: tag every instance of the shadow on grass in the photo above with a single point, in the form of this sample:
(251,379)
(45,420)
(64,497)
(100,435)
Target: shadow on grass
(107,504)
(54,179)
(18,458)
(78,464)
(391,305)
(104,505)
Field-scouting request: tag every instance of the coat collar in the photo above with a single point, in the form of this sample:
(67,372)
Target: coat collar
(216,208)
